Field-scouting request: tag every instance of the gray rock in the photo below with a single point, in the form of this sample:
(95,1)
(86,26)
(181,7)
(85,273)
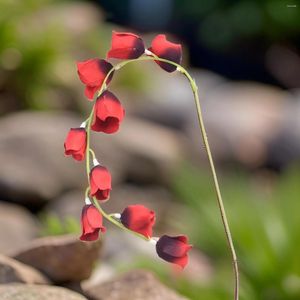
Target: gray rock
(132,247)
(36,292)
(61,258)
(153,151)
(38,171)
(169,101)
(69,205)
(241,118)
(14,271)
(17,227)
(134,285)
(102,273)
(284,148)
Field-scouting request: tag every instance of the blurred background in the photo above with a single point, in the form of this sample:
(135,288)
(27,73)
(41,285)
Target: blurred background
(244,56)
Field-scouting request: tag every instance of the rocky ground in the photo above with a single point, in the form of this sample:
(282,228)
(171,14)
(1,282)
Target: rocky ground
(36,271)
(37,180)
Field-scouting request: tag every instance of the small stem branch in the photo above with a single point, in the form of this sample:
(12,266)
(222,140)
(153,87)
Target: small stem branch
(93,154)
(208,152)
(87,190)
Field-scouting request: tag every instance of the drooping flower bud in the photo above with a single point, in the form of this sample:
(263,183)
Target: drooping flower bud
(108,113)
(138,218)
(161,47)
(75,143)
(126,45)
(91,223)
(92,73)
(173,249)
(100,183)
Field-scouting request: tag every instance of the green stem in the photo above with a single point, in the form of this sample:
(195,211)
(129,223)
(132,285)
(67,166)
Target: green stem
(92,153)
(216,183)
(88,137)
(208,152)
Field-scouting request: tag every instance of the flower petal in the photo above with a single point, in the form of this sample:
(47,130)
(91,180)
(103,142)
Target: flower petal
(90,91)
(91,223)
(173,249)
(100,182)
(108,113)
(92,72)
(91,236)
(161,47)
(126,45)
(75,143)
(138,218)
(94,217)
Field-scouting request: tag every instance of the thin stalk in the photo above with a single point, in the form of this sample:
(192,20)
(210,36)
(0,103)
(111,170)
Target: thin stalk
(216,183)
(92,153)
(208,152)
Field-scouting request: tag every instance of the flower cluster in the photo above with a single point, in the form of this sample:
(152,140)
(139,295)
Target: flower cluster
(106,116)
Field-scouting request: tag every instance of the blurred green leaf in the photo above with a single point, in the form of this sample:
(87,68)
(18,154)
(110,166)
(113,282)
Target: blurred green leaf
(264,222)
(52,225)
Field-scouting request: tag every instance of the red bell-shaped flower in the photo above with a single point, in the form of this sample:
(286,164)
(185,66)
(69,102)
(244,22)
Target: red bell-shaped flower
(125,45)
(108,113)
(100,183)
(75,143)
(161,47)
(173,249)
(92,73)
(91,223)
(138,218)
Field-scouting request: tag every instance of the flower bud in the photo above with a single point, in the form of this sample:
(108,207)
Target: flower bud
(75,143)
(100,183)
(108,113)
(138,218)
(92,73)
(173,249)
(161,47)
(125,45)
(91,223)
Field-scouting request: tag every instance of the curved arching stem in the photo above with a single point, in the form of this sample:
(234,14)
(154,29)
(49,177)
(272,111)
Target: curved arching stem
(208,152)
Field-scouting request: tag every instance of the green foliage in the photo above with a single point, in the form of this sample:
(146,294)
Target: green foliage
(263,214)
(221,24)
(52,225)
(38,51)
(27,53)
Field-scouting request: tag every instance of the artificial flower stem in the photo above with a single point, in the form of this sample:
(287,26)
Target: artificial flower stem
(208,152)
(88,137)
(93,154)
(87,190)
(216,182)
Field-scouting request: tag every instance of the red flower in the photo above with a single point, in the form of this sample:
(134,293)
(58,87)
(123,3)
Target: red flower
(92,73)
(91,223)
(167,50)
(138,218)
(75,143)
(108,113)
(125,45)
(100,182)
(173,249)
